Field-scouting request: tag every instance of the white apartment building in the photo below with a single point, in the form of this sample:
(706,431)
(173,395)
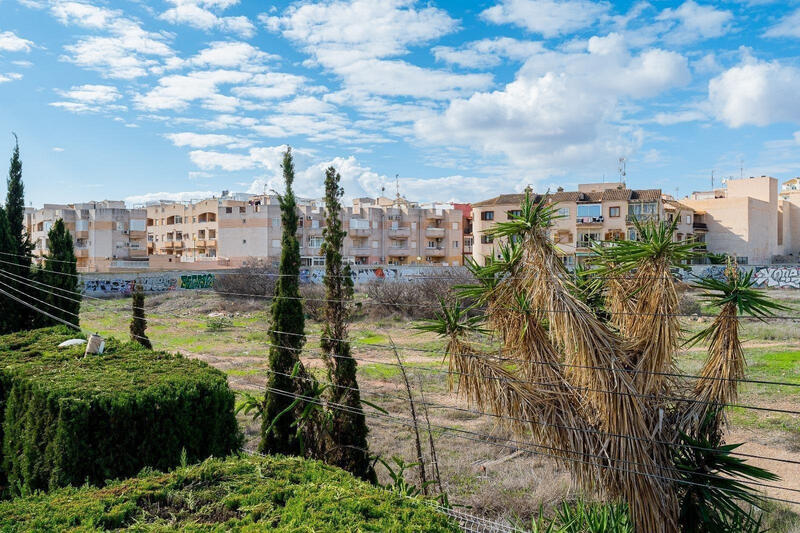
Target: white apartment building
(107,236)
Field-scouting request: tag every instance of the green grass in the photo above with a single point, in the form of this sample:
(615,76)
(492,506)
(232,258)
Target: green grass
(251,494)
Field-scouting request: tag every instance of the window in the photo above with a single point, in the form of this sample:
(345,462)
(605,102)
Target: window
(178,219)
(586,239)
(455,225)
(590,210)
(276,222)
(688,219)
(276,243)
(632,235)
(242,209)
(643,209)
(741,260)
(455,244)
(613,211)
(375,244)
(563,212)
(487,215)
(244,241)
(315,242)
(515,213)
(487,239)
(318,260)
(228,210)
(315,224)
(359,223)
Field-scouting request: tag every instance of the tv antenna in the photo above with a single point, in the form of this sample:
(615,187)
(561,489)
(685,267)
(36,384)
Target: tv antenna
(621,169)
(741,168)
(397,185)
(712,180)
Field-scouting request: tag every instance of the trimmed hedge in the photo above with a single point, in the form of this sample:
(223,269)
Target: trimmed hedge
(250,494)
(68,420)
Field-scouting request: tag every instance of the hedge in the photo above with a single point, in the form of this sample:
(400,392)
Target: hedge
(69,419)
(248,493)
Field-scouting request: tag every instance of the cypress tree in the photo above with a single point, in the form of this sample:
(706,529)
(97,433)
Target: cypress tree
(5,248)
(60,270)
(287,335)
(349,429)
(139,322)
(19,317)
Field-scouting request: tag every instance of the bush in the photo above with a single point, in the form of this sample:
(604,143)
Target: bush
(69,419)
(256,278)
(313,301)
(218,323)
(237,494)
(414,298)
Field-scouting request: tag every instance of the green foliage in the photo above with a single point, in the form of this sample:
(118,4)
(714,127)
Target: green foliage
(715,496)
(7,320)
(738,290)
(655,243)
(452,320)
(348,428)
(716,259)
(218,323)
(534,215)
(17,316)
(68,419)
(254,494)
(288,329)
(397,474)
(585,517)
(60,270)
(588,287)
(138,325)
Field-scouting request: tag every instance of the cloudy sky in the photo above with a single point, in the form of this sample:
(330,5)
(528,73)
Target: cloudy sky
(145,99)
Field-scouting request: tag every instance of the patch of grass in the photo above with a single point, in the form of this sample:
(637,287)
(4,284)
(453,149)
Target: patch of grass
(379,371)
(247,493)
(369,337)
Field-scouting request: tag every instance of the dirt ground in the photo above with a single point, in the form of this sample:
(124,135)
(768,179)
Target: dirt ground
(490,479)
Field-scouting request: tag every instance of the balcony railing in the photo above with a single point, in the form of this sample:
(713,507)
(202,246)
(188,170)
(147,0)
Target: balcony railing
(434,232)
(700,226)
(399,232)
(359,232)
(642,218)
(587,221)
(398,251)
(438,251)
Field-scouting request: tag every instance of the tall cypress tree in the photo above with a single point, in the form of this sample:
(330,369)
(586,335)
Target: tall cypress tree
(349,429)
(287,336)
(19,316)
(60,270)
(5,248)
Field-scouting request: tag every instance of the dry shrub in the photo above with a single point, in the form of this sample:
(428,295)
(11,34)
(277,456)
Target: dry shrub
(313,301)
(413,298)
(256,278)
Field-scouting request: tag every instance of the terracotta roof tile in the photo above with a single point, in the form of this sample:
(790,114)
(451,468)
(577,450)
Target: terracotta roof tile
(642,195)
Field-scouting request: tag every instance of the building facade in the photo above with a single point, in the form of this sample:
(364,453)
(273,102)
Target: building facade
(228,232)
(595,212)
(107,236)
(749,219)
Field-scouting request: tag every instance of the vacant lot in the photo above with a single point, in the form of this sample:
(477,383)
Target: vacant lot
(233,336)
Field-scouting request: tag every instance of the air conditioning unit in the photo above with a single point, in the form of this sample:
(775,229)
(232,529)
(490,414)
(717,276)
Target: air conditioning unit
(125,232)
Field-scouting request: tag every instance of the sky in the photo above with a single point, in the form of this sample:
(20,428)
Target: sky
(461,100)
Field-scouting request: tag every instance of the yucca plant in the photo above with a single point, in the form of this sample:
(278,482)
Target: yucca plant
(587,361)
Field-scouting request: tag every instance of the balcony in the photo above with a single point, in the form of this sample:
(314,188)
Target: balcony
(589,221)
(398,251)
(434,214)
(584,244)
(360,250)
(359,232)
(642,218)
(439,251)
(81,252)
(82,234)
(700,226)
(169,244)
(400,232)
(434,232)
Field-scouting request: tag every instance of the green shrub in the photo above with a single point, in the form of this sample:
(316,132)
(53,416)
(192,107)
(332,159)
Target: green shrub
(238,494)
(218,323)
(69,419)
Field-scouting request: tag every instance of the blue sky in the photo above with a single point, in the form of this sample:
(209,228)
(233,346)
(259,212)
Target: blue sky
(143,100)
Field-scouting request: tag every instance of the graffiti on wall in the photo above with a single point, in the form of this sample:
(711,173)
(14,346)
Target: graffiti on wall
(781,277)
(124,287)
(365,274)
(197,281)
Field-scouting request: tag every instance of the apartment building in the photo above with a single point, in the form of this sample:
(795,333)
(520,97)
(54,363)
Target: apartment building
(107,236)
(229,231)
(749,219)
(595,212)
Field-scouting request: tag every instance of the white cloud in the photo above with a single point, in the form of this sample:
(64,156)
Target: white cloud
(84,14)
(563,109)
(232,54)
(89,98)
(205,140)
(10,76)
(57,149)
(11,42)
(177,91)
(797,137)
(184,196)
(679,117)
(354,39)
(270,85)
(487,52)
(208,160)
(199,14)
(694,22)
(550,18)
(756,93)
(788,26)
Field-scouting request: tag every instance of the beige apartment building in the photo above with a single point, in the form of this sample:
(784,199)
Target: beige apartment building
(228,231)
(107,236)
(750,220)
(595,212)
